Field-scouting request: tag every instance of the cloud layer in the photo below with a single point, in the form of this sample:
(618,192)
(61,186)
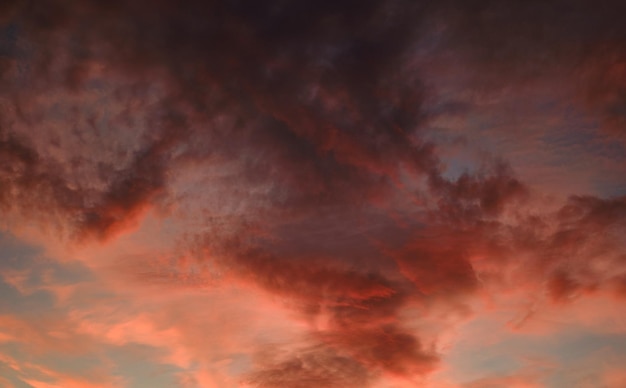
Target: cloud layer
(371,170)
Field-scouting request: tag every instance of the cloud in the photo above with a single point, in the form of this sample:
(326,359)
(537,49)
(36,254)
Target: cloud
(314,367)
(291,146)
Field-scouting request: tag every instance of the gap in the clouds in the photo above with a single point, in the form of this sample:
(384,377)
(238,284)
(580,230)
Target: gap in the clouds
(31,308)
(46,309)
(457,166)
(456,157)
(136,363)
(571,354)
(27,267)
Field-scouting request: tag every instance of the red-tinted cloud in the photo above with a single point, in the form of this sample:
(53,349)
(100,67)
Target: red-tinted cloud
(292,147)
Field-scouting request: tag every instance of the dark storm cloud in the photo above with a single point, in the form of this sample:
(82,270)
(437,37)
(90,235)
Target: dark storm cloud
(320,84)
(33,185)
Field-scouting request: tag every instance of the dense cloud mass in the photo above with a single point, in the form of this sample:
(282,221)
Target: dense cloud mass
(309,150)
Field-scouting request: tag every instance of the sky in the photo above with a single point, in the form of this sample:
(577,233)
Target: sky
(304,194)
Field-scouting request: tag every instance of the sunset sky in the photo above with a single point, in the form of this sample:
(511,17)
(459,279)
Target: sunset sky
(312,194)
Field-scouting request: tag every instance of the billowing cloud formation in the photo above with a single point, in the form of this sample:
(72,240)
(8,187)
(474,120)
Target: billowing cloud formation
(310,151)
